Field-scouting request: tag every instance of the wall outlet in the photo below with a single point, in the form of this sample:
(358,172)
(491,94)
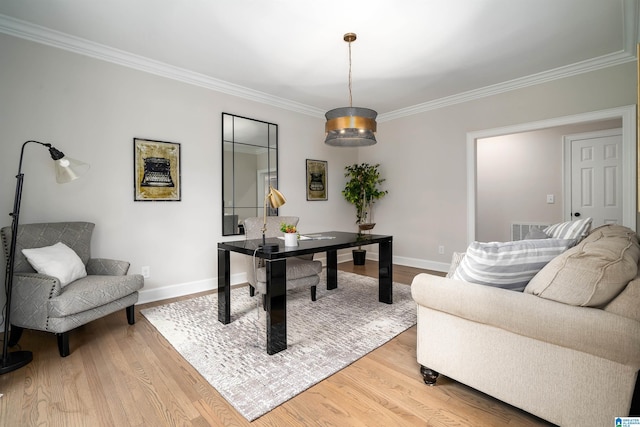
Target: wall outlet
(551,198)
(146,271)
(441,249)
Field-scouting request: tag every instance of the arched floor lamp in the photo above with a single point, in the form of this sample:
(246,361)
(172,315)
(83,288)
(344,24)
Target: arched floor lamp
(67,170)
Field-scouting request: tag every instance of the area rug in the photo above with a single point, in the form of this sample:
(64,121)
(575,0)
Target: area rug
(323,337)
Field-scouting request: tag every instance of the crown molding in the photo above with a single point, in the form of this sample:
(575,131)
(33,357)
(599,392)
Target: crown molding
(604,61)
(631,20)
(46,36)
(43,35)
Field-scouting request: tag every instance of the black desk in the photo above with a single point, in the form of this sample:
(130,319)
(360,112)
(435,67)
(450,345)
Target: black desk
(275,262)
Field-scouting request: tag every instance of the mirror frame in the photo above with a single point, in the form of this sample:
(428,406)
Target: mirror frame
(242,137)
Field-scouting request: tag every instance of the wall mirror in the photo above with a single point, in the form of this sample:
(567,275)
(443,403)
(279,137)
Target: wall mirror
(249,167)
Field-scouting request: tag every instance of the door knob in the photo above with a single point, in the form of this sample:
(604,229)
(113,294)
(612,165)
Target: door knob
(576,214)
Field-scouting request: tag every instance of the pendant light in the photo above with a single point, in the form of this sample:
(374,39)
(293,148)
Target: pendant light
(350,126)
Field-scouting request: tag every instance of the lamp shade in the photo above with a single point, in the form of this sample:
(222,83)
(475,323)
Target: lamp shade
(276,199)
(351,127)
(68,169)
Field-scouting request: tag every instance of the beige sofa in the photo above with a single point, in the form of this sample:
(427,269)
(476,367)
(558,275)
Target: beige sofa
(567,358)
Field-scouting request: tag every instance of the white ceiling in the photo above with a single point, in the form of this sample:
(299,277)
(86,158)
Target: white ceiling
(410,55)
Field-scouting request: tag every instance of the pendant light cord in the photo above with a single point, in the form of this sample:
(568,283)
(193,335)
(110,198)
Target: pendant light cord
(350,96)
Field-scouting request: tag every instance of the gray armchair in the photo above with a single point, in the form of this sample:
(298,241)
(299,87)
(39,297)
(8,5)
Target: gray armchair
(301,271)
(40,302)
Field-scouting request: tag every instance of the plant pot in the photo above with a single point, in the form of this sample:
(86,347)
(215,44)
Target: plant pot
(359,256)
(291,239)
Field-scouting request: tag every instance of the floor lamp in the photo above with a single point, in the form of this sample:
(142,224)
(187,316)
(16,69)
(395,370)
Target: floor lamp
(67,170)
(275,199)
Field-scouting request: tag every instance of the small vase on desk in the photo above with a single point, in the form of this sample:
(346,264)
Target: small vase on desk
(291,239)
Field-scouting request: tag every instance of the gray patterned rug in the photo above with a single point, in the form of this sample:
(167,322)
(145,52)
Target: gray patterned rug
(323,337)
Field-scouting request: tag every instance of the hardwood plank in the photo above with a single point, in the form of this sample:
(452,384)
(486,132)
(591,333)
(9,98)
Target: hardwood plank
(131,376)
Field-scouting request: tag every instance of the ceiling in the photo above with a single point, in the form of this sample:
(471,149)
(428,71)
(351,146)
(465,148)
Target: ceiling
(410,55)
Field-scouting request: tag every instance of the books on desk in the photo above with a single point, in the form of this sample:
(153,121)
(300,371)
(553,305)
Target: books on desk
(311,237)
(316,237)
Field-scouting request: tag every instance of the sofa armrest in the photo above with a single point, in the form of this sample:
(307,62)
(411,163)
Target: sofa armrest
(107,267)
(585,329)
(29,298)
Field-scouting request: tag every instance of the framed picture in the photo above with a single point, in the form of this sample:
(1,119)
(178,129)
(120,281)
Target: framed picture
(316,179)
(156,171)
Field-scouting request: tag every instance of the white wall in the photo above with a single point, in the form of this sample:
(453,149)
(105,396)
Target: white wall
(92,110)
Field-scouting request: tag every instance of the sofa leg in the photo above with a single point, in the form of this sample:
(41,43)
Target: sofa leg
(313,293)
(14,336)
(429,375)
(131,314)
(63,344)
(252,291)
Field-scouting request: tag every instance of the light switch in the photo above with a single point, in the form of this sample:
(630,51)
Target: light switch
(551,198)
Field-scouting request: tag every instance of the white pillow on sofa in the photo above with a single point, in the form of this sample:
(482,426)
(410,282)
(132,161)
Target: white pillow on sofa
(59,261)
(509,265)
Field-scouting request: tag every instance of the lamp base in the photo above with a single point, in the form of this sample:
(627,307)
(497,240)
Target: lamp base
(15,360)
(269,247)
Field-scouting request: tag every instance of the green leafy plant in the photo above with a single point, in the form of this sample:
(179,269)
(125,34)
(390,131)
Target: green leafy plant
(362,189)
(287,228)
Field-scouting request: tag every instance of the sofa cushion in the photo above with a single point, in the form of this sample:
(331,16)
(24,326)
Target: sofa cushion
(592,273)
(577,229)
(59,261)
(92,292)
(508,265)
(296,269)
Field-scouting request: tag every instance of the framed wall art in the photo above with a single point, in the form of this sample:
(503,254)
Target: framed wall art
(156,171)
(316,179)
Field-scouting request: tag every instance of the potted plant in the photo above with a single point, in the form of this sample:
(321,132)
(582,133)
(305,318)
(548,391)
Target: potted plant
(362,190)
(290,234)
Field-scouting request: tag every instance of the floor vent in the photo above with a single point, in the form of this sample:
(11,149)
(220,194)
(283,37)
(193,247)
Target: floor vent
(519,230)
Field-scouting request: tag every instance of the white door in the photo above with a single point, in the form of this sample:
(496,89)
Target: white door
(595,176)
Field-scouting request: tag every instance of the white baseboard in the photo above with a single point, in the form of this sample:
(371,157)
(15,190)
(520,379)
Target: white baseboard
(422,263)
(182,289)
(178,290)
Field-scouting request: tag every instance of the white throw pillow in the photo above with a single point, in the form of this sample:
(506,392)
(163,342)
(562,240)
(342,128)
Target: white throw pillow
(58,260)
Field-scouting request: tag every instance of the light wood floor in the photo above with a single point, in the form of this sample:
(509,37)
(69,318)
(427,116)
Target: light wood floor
(121,375)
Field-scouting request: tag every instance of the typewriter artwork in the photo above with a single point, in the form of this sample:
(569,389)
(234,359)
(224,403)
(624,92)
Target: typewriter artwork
(157,172)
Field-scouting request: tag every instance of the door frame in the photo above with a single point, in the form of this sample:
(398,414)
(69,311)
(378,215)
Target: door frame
(629,150)
(566,165)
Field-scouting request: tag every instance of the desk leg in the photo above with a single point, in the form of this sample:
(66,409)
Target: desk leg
(276,305)
(385,272)
(224,286)
(332,270)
